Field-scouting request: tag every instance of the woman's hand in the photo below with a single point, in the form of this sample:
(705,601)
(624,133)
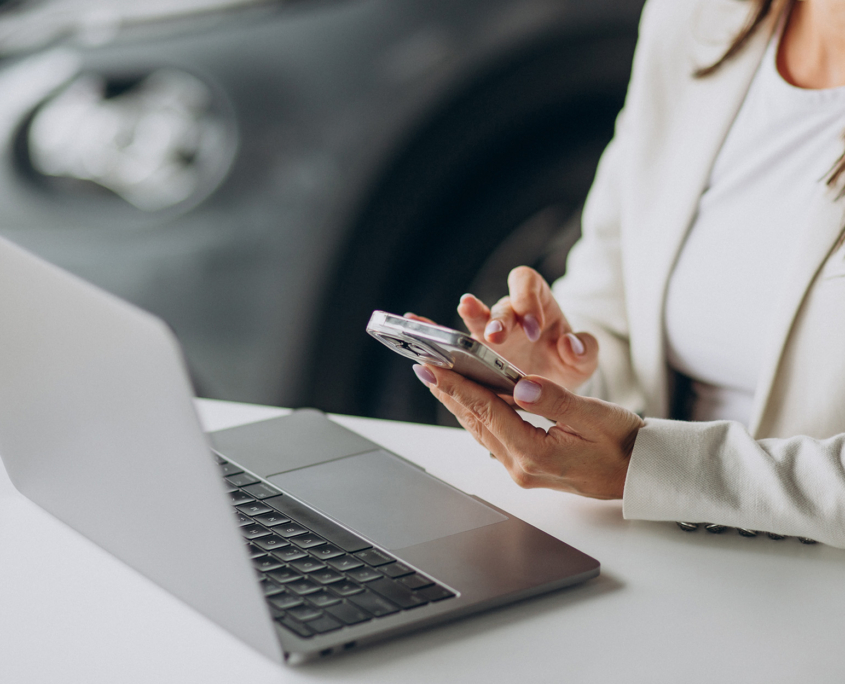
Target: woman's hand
(585,452)
(529,329)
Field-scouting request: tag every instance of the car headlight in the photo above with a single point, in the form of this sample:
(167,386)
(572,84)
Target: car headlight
(156,141)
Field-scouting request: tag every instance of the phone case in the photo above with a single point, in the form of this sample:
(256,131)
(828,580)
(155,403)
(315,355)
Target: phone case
(444,347)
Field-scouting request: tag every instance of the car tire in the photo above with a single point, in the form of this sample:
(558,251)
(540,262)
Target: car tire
(495,181)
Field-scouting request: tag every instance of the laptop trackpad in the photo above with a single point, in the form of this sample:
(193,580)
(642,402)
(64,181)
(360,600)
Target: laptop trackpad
(386,499)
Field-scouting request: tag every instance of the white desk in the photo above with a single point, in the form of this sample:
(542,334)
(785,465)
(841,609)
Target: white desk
(668,607)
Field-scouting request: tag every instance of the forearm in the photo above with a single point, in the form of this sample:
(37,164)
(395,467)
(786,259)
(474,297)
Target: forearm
(716,472)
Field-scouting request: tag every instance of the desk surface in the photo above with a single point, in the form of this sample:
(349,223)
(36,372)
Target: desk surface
(668,607)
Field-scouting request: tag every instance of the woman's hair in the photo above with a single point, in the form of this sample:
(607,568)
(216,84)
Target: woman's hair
(760,10)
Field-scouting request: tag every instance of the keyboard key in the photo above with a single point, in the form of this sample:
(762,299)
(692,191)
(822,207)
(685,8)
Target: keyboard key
(261,491)
(285,600)
(327,576)
(242,519)
(327,551)
(238,497)
(272,519)
(229,469)
(270,588)
(347,613)
(284,575)
(306,565)
(374,604)
(307,541)
(241,479)
(435,593)
(364,574)
(345,588)
(305,612)
(303,586)
(270,543)
(326,528)
(401,596)
(253,508)
(294,626)
(344,563)
(289,554)
(374,557)
(290,530)
(395,569)
(324,624)
(266,563)
(254,531)
(415,581)
(322,598)
(254,551)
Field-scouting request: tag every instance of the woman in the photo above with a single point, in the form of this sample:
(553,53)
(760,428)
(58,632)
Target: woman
(709,285)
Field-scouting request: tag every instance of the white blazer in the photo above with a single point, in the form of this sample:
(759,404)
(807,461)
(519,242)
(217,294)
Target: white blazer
(786,472)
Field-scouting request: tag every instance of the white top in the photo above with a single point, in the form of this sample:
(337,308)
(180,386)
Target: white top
(773,164)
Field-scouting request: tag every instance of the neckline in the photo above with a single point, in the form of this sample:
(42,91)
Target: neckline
(813,96)
(770,63)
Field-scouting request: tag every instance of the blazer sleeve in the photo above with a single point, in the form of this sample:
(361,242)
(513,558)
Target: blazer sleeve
(717,472)
(592,293)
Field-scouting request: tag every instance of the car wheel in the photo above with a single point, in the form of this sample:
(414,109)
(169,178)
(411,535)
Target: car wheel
(496,182)
(529,214)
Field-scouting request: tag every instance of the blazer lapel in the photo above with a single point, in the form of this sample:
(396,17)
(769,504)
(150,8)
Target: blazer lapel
(820,236)
(666,209)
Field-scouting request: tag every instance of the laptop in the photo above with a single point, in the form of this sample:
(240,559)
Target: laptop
(298,536)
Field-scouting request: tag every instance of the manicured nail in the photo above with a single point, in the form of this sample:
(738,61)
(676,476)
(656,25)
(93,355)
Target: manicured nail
(531,327)
(527,391)
(577,345)
(493,327)
(426,376)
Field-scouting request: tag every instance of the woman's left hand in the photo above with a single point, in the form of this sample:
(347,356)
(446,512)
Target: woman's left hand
(585,452)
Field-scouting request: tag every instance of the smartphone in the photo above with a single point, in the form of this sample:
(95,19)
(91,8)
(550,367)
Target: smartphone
(440,346)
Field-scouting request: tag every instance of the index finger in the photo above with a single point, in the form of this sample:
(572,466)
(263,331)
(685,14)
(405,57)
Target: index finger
(474,314)
(490,410)
(532,301)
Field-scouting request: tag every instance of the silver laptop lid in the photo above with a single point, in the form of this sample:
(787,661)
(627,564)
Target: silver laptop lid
(97,426)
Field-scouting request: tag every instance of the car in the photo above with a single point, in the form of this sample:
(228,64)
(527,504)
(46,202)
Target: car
(263,175)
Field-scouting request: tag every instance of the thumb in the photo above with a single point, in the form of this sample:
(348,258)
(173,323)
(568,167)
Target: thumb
(579,350)
(544,398)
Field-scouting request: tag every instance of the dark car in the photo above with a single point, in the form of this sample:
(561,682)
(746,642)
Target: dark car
(264,174)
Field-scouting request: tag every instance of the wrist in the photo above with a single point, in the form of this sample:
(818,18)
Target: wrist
(627,449)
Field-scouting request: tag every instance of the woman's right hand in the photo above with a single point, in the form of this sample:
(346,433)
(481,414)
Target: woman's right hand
(529,329)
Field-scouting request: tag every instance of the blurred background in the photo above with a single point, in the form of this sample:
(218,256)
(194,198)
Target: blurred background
(263,174)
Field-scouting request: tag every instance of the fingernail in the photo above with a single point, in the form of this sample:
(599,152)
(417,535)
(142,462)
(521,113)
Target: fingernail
(464,296)
(527,391)
(531,327)
(426,376)
(577,345)
(408,314)
(493,327)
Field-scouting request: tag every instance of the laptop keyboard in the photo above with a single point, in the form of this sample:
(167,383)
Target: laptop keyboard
(317,576)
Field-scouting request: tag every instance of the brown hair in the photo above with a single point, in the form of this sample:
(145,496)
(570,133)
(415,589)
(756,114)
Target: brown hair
(760,10)
(758,14)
